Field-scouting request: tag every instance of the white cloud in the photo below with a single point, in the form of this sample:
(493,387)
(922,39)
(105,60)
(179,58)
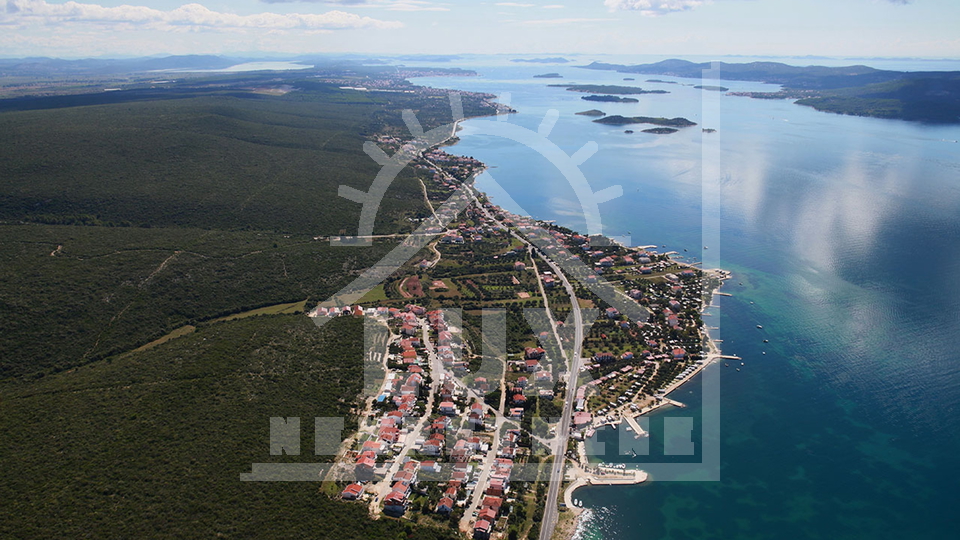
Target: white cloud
(653,7)
(513,4)
(554,6)
(559,22)
(389,5)
(413,5)
(186,16)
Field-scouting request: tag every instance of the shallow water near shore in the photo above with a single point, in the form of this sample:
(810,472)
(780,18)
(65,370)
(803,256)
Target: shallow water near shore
(845,235)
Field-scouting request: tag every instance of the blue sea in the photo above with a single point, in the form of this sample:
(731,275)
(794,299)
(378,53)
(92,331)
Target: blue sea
(843,236)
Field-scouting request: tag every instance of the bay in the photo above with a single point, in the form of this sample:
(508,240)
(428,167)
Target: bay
(844,234)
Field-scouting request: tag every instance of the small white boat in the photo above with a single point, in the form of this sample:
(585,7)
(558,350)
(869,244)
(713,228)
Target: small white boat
(760,327)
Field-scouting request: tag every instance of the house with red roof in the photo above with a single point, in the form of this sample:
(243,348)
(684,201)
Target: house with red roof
(603,357)
(448,408)
(481,530)
(389,434)
(351,492)
(533,353)
(365,465)
(445,506)
(395,504)
(377,447)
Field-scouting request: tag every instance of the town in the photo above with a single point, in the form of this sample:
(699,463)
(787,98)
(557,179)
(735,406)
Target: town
(461,436)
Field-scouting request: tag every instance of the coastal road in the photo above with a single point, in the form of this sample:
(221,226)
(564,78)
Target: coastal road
(550,510)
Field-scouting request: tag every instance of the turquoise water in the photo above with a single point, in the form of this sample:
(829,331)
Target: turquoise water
(844,234)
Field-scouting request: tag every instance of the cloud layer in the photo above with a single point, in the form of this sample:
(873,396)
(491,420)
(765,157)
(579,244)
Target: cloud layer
(653,7)
(186,16)
(389,5)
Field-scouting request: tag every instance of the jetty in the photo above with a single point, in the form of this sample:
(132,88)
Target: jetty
(674,402)
(637,430)
(723,293)
(606,477)
(614,423)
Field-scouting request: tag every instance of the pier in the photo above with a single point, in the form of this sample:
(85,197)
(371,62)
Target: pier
(637,430)
(612,423)
(723,293)
(607,477)
(674,402)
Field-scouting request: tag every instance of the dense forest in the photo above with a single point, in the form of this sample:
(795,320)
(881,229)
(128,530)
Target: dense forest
(128,215)
(152,444)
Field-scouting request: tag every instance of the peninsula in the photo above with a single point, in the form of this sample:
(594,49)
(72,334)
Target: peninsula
(930,96)
(457,441)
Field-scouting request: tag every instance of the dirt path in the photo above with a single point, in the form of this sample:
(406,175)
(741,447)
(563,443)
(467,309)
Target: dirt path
(160,268)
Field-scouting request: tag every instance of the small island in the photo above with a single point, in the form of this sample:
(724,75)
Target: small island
(548,76)
(607,89)
(551,60)
(611,99)
(617,120)
(662,81)
(660,130)
(592,112)
(628,131)
(709,130)
(629,79)
(712,88)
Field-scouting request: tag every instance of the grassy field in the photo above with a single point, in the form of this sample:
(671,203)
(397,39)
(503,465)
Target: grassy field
(279,309)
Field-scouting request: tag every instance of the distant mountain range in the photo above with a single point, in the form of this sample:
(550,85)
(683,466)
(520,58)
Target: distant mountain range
(928,96)
(45,67)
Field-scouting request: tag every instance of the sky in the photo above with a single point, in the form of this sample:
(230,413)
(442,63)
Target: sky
(844,28)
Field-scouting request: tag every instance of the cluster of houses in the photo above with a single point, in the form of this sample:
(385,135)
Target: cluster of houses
(403,389)
(459,167)
(497,486)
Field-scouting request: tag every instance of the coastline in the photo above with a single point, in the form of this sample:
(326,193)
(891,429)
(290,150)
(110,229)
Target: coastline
(712,353)
(570,531)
